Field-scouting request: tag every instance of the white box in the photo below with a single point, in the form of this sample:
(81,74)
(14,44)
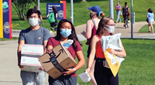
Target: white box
(29,57)
(30,64)
(34,50)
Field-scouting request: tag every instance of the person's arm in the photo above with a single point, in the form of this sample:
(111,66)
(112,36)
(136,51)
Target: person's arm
(46,35)
(56,15)
(20,43)
(80,64)
(88,29)
(41,19)
(121,53)
(128,10)
(45,44)
(93,51)
(47,16)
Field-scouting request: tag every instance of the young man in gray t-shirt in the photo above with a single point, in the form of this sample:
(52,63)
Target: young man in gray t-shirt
(35,35)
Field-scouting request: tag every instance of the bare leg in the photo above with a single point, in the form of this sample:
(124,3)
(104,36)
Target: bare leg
(152,28)
(149,27)
(91,72)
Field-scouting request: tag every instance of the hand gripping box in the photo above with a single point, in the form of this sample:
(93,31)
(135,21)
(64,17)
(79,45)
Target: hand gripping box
(29,57)
(57,61)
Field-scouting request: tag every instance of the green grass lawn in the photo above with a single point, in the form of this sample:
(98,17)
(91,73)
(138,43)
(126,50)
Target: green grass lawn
(138,66)
(81,13)
(5,39)
(145,29)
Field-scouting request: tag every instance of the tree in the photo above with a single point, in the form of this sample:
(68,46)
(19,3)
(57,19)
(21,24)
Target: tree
(21,7)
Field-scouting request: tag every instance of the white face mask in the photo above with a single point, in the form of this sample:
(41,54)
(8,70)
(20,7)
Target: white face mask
(110,29)
(33,21)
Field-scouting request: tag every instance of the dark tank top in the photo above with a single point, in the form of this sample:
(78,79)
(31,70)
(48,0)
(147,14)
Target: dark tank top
(92,34)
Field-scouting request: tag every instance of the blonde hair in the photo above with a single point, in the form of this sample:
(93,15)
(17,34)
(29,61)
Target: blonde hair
(94,13)
(101,25)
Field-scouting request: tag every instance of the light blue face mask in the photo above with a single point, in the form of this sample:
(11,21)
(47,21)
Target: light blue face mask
(65,32)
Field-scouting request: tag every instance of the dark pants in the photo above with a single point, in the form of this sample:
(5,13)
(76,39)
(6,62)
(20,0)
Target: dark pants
(63,80)
(53,26)
(104,75)
(126,15)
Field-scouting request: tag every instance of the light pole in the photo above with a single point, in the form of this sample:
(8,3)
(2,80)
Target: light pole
(38,4)
(132,19)
(72,18)
(111,10)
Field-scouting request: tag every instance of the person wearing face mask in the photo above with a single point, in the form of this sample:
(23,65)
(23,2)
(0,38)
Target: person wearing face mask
(65,31)
(103,75)
(35,35)
(91,27)
(118,9)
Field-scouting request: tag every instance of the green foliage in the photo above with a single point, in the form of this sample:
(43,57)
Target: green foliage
(21,7)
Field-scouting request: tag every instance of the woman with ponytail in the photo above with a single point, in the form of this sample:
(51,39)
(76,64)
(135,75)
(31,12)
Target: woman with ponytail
(91,27)
(103,75)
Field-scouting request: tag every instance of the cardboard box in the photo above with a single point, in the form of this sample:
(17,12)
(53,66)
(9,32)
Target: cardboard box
(57,61)
(29,57)
(30,64)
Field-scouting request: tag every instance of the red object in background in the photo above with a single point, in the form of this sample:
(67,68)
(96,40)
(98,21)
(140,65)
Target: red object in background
(64,8)
(10,18)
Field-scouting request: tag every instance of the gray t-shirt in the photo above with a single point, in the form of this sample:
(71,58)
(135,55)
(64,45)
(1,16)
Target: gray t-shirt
(34,36)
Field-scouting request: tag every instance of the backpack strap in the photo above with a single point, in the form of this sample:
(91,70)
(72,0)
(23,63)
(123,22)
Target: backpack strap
(94,22)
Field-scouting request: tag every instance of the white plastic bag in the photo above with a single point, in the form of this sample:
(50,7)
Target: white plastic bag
(85,76)
(113,42)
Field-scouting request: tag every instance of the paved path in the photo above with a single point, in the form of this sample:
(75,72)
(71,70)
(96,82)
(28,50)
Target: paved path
(10,73)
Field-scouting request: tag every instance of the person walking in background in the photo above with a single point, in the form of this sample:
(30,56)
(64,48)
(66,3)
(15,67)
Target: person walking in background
(91,27)
(118,9)
(33,35)
(126,13)
(66,31)
(52,16)
(103,75)
(150,16)
(41,19)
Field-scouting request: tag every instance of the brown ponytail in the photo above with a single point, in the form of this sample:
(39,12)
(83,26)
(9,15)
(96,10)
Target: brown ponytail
(102,15)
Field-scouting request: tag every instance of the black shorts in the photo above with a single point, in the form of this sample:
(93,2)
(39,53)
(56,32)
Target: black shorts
(53,24)
(104,75)
(88,52)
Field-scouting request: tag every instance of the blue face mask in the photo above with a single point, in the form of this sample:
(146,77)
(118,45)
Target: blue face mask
(65,32)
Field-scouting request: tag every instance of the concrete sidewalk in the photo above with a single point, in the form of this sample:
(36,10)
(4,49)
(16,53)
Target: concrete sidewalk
(10,73)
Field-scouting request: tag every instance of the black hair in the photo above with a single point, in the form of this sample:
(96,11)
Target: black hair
(125,3)
(150,10)
(54,9)
(31,11)
(35,7)
(73,35)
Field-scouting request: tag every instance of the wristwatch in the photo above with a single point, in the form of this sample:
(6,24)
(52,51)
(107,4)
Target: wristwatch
(74,69)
